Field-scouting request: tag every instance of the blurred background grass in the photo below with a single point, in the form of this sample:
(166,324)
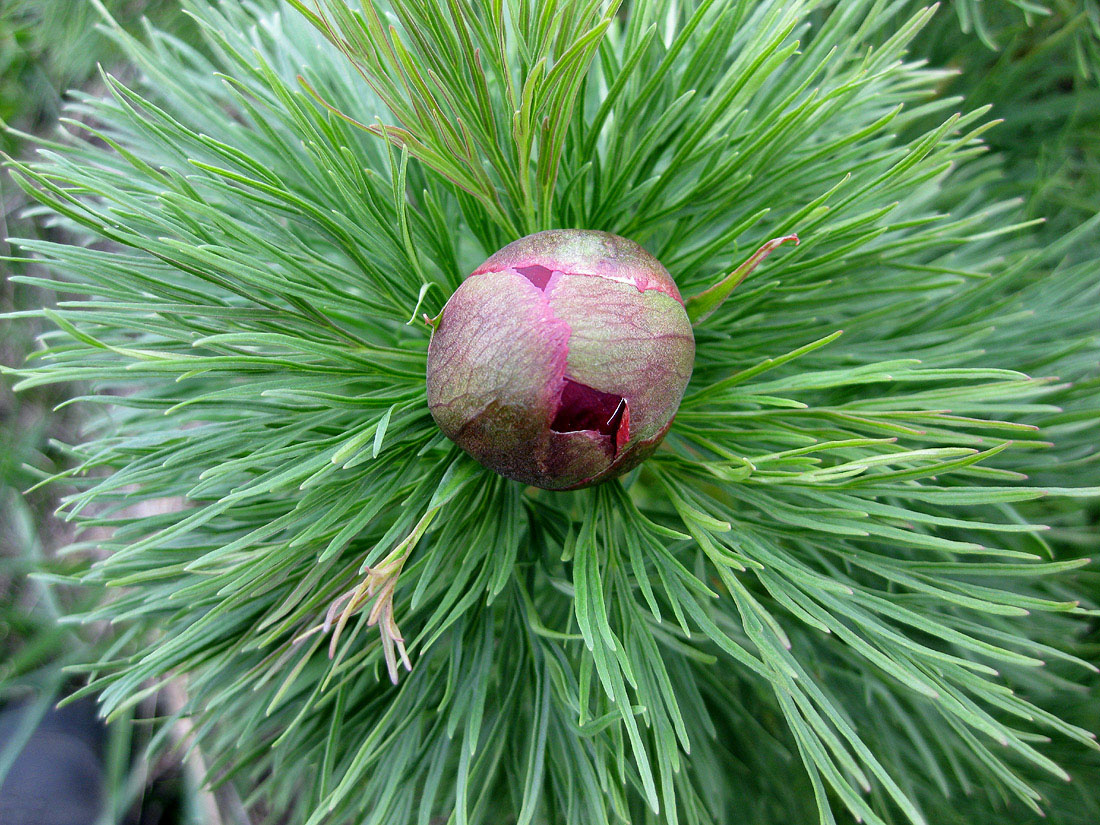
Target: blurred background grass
(1037,64)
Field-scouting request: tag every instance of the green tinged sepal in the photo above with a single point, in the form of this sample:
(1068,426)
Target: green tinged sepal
(700,307)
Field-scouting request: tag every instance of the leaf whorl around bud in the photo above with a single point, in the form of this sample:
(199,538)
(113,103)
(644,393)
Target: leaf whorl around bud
(561,361)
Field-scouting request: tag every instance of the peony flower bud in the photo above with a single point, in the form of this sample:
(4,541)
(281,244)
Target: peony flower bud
(561,361)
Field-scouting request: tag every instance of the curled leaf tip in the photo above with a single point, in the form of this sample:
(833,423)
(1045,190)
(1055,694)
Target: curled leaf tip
(700,307)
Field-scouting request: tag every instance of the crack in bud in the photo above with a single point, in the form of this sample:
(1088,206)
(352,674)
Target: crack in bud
(586,408)
(538,275)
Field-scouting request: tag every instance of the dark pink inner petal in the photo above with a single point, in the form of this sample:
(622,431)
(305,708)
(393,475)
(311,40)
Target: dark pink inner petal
(536,274)
(585,408)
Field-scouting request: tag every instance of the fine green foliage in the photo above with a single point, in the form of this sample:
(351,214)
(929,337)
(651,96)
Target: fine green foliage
(999,23)
(830,590)
(1044,82)
(46,46)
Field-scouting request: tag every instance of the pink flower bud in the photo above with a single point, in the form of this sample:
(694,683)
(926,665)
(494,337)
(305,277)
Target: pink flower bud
(561,361)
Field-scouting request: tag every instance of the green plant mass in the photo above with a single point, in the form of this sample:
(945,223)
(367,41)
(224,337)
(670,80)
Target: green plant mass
(850,582)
